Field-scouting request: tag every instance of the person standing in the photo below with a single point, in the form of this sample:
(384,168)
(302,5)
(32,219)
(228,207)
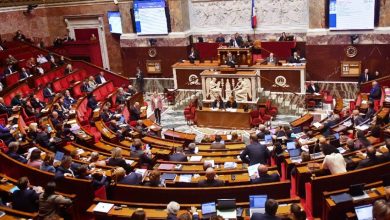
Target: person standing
(139,79)
(157,106)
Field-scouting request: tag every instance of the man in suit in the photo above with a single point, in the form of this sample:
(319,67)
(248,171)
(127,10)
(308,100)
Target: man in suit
(106,115)
(295,58)
(312,88)
(271,206)
(120,97)
(236,41)
(4,109)
(135,113)
(356,118)
(230,60)
(23,74)
(100,78)
(193,55)
(364,77)
(55,119)
(220,39)
(255,152)
(218,143)
(48,92)
(36,103)
(25,199)
(139,79)
(179,156)
(271,59)
(68,100)
(263,176)
(131,90)
(64,169)
(375,92)
(85,87)
(92,103)
(371,159)
(210,180)
(17,100)
(43,138)
(9,70)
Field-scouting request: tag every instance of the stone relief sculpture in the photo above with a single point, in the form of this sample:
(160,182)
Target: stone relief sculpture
(243,90)
(213,88)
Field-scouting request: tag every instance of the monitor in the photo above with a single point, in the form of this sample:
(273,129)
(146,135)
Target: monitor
(268,138)
(257,201)
(59,155)
(226,204)
(364,212)
(208,208)
(337,136)
(290,145)
(297,130)
(357,189)
(114,22)
(294,152)
(150,17)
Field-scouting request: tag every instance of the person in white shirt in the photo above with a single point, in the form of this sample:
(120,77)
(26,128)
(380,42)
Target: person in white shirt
(334,161)
(41,59)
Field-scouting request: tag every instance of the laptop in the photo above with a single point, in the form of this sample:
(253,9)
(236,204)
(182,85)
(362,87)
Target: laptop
(268,138)
(337,136)
(257,204)
(208,210)
(364,212)
(227,208)
(59,155)
(295,154)
(290,145)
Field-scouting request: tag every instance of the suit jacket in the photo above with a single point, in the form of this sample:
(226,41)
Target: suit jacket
(37,104)
(311,90)
(294,60)
(178,157)
(8,71)
(23,75)
(68,101)
(220,40)
(17,157)
(265,216)
(99,79)
(266,178)
(255,153)
(15,101)
(134,114)
(131,179)
(214,183)
(217,145)
(120,99)
(48,93)
(376,93)
(231,105)
(92,103)
(357,120)
(60,172)
(275,60)
(363,78)
(105,116)
(5,109)
(85,87)
(239,41)
(370,112)
(120,163)
(368,162)
(25,200)
(221,104)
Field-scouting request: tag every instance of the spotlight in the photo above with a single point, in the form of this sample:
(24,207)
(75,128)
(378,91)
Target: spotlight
(354,39)
(29,9)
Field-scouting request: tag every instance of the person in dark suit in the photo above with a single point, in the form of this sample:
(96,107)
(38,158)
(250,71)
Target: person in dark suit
(121,178)
(194,55)
(68,100)
(255,152)
(23,74)
(55,119)
(48,92)
(370,110)
(25,199)
(131,90)
(231,103)
(295,58)
(4,109)
(364,77)
(376,91)
(17,100)
(143,156)
(371,159)
(271,206)
(116,159)
(220,39)
(64,170)
(36,103)
(236,41)
(312,88)
(139,79)
(100,78)
(9,70)
(179,156)
(271,59)
(92,103)
(135,113)
(106,114)
(85,87)
(218,103)
(120,97)
(13,152)
(210,180)
(218,143)
(230,60)
(43,138)
(356,118)
(263,176)
(283,37)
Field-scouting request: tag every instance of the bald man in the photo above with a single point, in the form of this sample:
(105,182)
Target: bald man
(210,180)
(263,176)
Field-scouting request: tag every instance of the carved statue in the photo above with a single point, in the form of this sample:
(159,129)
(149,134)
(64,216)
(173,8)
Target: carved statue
(213,88)
(243,91)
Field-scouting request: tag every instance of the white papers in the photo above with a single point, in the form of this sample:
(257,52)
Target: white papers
(317,124)
(252,170)
(229,136)
(141,171)
(186,178)
(230,165)
(270,148)
(347,123)
(364,196)
(362,127)
(195,158)
(210,162)
(80,151)
(103,207)
(228,214)
(364,102)
(341,150)
(214,109)
(129,162)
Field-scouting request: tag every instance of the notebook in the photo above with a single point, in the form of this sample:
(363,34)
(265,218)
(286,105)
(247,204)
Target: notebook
(339,198)
(59,155)
(364,212)
(168,176)
(257,204)
(208,210)
(166,166)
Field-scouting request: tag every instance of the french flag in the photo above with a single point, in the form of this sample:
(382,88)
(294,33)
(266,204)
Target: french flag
(254,18)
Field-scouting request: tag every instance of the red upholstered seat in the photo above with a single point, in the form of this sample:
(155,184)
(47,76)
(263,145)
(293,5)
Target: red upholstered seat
(77,91)
(12,79)
(271,110)
(264,115)
(133,123)
(352,105)
(110,87)
(328,98)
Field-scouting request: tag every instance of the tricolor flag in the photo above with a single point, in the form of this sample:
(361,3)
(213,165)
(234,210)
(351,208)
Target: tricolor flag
(254,18)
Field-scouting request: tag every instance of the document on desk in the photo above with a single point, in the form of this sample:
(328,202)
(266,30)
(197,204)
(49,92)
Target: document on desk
(185,178)
(317,124)
(195,158)
(252,170)
(347,123)
(214,109)
(362,127)
(103,207)
(230,165)
(210,162)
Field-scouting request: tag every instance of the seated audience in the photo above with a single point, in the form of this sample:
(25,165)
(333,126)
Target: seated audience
(35,159)
(13,148)
(120,97)
(356,118)
(68,69)
(142,155)
(263,176)
(172,209)
(135,113)
(218,143)
(191,149)
(155,179)
(116,159)
(178,156)
(36,103)
(24,198)
(68,100)
(85,86)
(64,170)
(6,134)
(231,103)
(49,203)
(210,180)
(91,82)
(296,212)
(94,159)
(218,103)
(361,140)
(100,78)
(375,92)
(255,152)
(92,103)
(48,92)
(381,210)
(47,163)
(4,109)
(334,161)
(371,159)
(119,177)
(364,77)
(24,74)
(271,206)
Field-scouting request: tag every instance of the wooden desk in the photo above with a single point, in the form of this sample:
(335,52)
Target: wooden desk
(305,120)
(243,56)
(180,136)
(229,147)
(223,119)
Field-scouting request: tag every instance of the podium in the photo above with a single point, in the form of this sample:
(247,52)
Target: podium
(243,56)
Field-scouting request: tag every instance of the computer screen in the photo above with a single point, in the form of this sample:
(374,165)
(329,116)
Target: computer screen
(268,138)
(364,212)
(257,201)
(208,208)
(114,22)
(226,203)
(337,136)
(150,17)
(294,152)
(59,155)
(290,145)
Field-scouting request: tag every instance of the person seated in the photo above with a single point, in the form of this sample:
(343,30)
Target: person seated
(231,103)
(92,83)
(119,177)
(68,69)
(376,91)
(24,198)
(41,59)
(92,103)
(333,161)
(375,135)
(361,140)
(94,160)
(11,60)
(313,88)
(296,212)
(236,40)
(193,55)
(356,118)
(44,138)
(191,148)
(371,159)
(19,36)
(210,180)
(8,71)
(24,74)
(230,60)
(106,115)
(386,156)
(135,113)
(36,103)
(55,119)
(121,96)
(68,100)
(131,90)
(218,143)
(6,134)
(35,159)
(255,152)
(178,156)
(370,111)
(48,164)
(263,176)
(272,59)
(220,39)
(283,37)
(381,210)
(295,58)
(18,100)
(48,92)
(12,152)
(271,206)
(100,79)
(116,159)
(142,155)
(172,209)
(155,179)
(218,103)
(64,170)
(85,86)
(31,63)
(49,202)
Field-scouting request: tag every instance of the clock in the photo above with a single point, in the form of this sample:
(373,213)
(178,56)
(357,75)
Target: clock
(152,52)
(351,51)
